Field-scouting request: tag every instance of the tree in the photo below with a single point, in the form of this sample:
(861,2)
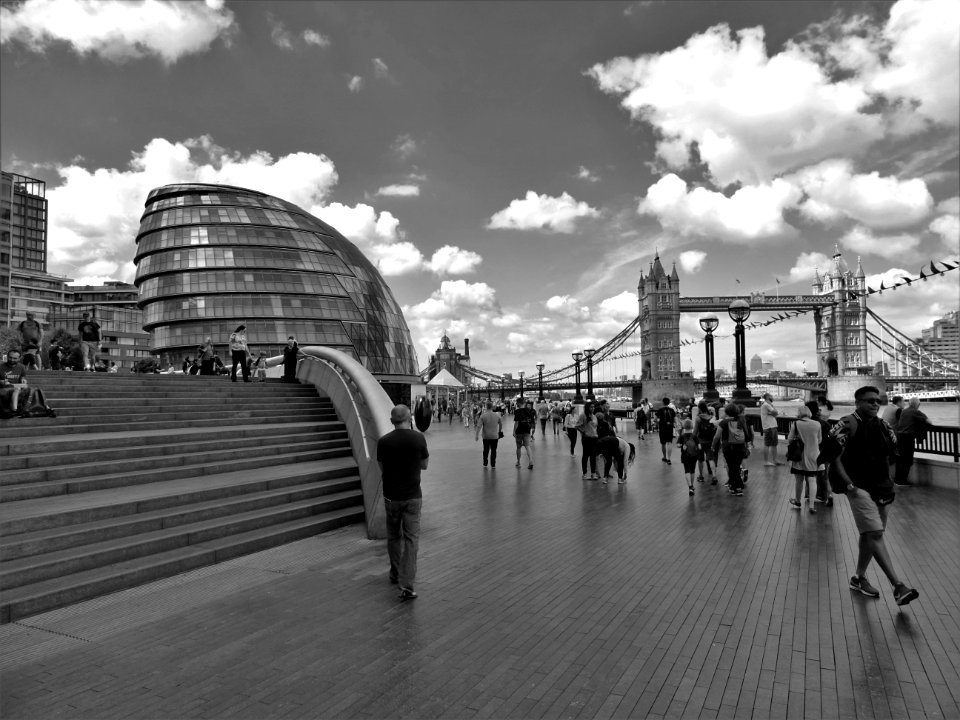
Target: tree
(9,339)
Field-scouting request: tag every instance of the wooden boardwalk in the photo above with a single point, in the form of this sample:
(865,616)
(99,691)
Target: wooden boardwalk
(541,596)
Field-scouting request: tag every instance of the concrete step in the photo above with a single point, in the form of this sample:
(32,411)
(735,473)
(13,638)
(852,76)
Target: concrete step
(190,402)
(154,474)
(28,570)
(86,454)
(36,543)
(251,390)
(34,427)
(31,599)
(172,412)
(60,511)
(145,461)
(33,449)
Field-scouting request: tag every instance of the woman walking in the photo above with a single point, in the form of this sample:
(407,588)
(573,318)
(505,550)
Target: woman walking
(642,418)
(824,494)
(807,431)
(570,425)
(238,353)
(704,428)
(587,427)
(205,353)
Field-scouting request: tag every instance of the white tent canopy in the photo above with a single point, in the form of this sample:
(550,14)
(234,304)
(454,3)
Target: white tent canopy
(444,379)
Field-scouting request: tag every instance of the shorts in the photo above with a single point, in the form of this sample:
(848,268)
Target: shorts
(771,436)
(522,440)
(868,516)
(666,434)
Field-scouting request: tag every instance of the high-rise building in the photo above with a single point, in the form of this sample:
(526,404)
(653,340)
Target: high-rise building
(943,337)
(756,363)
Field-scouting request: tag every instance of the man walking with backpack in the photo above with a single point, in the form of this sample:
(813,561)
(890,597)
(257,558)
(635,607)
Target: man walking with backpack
(666,423)
(523,423)
(733,437)
(868,448)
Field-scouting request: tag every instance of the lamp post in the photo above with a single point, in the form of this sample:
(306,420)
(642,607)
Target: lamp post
(503,381)
(577,357)
(709,323)
(589,353)
(520,375)
(540,367)
(739,311)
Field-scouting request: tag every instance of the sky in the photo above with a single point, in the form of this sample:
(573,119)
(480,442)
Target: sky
(512,167)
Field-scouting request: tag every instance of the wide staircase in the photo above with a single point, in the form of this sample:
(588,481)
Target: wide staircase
(143,477)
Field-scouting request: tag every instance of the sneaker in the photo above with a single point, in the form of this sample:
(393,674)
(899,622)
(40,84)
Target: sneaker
(830,501)
(621,481)
(713,480)
(407,593)
(865,588)
(690,491)
(903,594)
(813,509)
(530,466)
(585,477)
(669,462)
(699,478)
(795,503)
(745,475)
(606,480)
(739,493)
(517,465)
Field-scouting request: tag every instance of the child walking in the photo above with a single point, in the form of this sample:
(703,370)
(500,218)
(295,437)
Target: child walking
(689,451)
(261,366)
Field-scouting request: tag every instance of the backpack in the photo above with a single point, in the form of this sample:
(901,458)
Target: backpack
(705,430)
(32,403)
(736,435)
(603,428)
(690,446)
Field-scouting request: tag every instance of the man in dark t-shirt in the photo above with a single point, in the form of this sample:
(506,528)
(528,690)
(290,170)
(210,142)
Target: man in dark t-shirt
(31,335)
(89,330)
(666,423)
(401,455)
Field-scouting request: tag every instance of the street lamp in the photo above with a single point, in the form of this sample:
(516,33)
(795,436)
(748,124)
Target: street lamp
(540,367)
(520,375)
(577,357)
(589,353)
(709,323)
(739,311)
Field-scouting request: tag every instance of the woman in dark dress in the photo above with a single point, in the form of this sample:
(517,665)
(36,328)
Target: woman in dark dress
(290,351)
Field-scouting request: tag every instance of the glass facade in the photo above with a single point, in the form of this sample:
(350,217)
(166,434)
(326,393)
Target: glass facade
(210,257)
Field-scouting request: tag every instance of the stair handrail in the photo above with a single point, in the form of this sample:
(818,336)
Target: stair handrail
(364,407)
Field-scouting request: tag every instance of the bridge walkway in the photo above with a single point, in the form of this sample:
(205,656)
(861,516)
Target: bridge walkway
(541,596)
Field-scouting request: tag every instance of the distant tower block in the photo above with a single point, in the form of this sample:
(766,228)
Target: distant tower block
(659,296)
(841,328)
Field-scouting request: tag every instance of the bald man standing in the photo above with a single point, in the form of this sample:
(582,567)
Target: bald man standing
(401,455)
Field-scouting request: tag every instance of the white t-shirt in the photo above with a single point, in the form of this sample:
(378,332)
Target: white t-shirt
(768,415)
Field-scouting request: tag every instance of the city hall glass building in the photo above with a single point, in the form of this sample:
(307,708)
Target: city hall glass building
(210,257)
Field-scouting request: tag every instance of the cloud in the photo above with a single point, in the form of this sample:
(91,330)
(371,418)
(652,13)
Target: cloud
(691,261)
(313,37)
(399,191)
(585,174)
(923,58)
(751,213)
(622,307)
(862,241)
(950,205)
(376,234)
(568,306)
(451,260)
(542,212)
(381,70)
(834,191)
(395,259)
(355,84)
(807,264)
(81,232)
(279,34)
(947,227)
(507,320)
(118,30)
(750,117)
(404,146)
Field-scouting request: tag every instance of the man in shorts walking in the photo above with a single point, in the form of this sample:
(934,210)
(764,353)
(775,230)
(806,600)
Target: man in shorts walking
(401,455)
(89,330)
(524,421)
(869,447)
(771,434)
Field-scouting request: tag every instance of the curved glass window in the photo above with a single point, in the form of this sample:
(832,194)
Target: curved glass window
(221,198)
(259,332)
(229,235)
(223,214)
(229,281)
(216,257)
(250,306)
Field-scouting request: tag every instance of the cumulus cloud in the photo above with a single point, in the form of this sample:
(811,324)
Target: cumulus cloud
(750,116)
(586,175)
(279,34)
(118,30)
(451,260)
(807,264)
(568,306)
(81,232)
(404,146)
(950,205)
(861,240)
(691,261)
(622,307)
(834,191)
(922,62)
(947,227)
(355,84)
(394,259)
(751,213)
(399,191)
(313,37)
(542,212)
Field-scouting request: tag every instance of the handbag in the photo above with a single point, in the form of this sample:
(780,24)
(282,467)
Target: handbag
(500,434)
(795,449)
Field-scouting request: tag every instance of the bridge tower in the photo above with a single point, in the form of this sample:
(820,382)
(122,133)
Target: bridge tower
(659,296)
(841,328)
